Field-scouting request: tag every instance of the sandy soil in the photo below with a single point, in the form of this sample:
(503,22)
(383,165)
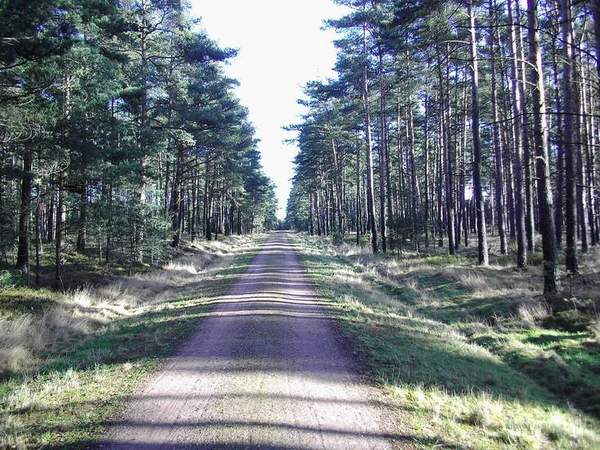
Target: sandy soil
(267,369)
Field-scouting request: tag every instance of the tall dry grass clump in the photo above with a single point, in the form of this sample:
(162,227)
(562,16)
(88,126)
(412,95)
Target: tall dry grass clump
(25,337)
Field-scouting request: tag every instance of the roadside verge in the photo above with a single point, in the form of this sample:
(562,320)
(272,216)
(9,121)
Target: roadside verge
(447,389)
(84,379)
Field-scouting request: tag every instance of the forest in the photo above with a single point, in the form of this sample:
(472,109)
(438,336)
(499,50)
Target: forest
(454,124)
(119,134)
(434,284)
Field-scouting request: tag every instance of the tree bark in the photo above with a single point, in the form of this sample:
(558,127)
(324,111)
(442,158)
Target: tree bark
(82,225)
(24,213)
(518,148)
(58,263)
(369,149)
(569,136)
(382,151)
(497,137)
(540,135)
(358,205)
(477,190)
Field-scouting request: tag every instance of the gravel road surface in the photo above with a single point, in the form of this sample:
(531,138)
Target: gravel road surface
(267,369)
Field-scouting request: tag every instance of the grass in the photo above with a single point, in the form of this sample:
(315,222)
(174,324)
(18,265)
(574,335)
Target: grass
(82,378)
(460,351)
(564,362)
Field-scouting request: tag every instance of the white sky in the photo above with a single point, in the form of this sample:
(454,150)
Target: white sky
(281,47)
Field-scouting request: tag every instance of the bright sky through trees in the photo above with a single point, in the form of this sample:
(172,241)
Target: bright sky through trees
(281,47)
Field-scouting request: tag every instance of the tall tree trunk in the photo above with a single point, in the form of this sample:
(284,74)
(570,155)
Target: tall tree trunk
(176,198)
(445,116)
(540,137)
(38,239)
(525,131)
(581,135)
(560,159)
(109,227)
(82,225)
(24,213)
(518,148)
(50,222)
(58,263)
(382,152)
(439,174)
(426,183)
(358,205)
(589,157)
(462,201)
(497,137)
(477,190)
(414,188)
(596,14)
(569,136)
(506,128)
(369,149)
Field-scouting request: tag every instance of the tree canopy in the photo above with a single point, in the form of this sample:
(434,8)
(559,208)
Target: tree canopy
(120,133)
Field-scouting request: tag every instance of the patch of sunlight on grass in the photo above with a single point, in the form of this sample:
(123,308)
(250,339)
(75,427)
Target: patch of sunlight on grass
(487,422)
(432,332)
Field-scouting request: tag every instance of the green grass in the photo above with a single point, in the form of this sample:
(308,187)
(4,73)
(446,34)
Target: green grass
(67,401)
(563,362)
(459,376)
(18,300)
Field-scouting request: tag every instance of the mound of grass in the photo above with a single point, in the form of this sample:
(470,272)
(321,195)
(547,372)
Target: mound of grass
(17,300)
(423,334)
(563,362)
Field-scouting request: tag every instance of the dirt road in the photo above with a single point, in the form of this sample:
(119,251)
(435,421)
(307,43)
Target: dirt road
(265,370)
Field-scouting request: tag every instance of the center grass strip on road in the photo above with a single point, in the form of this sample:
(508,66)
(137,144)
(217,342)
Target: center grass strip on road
(446,390)
(69,401)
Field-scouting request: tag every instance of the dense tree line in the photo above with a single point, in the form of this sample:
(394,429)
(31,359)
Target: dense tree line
(119,132)
(452,119)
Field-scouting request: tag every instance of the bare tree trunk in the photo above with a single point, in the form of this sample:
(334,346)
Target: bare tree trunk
(569,136)
(581,135)
(82,225)
(439,175)
(497,138)
(426,194)
(590,160)
(358,196)
(540,135)
(109,227)
(478,194)
(414,188)
(462,203)
(59,233)
(38,240)
(24,213)
(596,14)
(382,151)
(525,132)
(518,148)
(444,131)
(50,222)
(369,149)
(560,159)
(506,134)
(176,198)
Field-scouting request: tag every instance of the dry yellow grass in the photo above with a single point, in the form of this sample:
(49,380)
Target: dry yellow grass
(24,338)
